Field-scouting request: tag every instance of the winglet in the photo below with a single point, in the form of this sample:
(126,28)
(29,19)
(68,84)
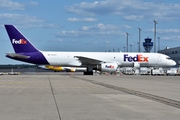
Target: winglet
(18,41)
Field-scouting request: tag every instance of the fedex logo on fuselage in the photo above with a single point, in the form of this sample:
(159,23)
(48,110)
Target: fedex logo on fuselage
(137,58)
(20,41)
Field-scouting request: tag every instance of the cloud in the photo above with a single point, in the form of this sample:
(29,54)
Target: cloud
(33,3)
(107,41)
(164,31)
(126,26)
(91,31)
(25,21)
(81,19)
(95,8)
(58,40)
(134,17)
(19,19)
(168,31)
(51,25)
(8,4)
(172,38)
(128,9)
(167,34)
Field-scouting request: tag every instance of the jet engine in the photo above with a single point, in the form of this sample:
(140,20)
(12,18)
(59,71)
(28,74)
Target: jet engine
(107,67)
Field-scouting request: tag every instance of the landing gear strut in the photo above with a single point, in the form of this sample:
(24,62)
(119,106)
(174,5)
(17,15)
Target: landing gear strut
(89,71)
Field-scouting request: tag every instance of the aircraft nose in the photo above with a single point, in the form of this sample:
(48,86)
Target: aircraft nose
(173,63)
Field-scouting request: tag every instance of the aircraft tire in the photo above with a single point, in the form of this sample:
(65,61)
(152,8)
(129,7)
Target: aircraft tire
(88,73)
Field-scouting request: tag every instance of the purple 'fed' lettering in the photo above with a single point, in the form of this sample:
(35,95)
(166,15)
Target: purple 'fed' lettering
(137,58)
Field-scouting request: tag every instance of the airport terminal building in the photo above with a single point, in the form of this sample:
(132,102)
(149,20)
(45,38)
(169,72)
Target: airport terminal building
(174,53)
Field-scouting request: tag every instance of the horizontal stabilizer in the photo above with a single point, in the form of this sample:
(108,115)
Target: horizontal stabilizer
(15,55)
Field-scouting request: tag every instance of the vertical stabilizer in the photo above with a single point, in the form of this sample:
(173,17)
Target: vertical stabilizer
(18,41)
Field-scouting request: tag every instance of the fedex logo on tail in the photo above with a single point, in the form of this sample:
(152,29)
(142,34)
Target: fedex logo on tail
(137,58)
(20,41)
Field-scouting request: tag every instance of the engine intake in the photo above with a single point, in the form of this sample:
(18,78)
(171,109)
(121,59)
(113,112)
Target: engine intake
(107,67)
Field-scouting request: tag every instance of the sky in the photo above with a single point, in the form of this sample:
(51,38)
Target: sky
(88,25)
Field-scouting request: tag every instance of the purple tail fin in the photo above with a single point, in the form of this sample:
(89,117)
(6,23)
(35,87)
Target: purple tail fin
(18,41)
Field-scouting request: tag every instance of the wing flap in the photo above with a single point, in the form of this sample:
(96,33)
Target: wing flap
(88,61)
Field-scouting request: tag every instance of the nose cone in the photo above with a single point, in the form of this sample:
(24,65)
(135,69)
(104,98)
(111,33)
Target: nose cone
(173,63)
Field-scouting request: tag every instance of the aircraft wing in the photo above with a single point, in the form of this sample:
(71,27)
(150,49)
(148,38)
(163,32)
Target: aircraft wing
(87,61)
(15,55)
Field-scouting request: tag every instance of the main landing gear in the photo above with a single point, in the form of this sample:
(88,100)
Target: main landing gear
(89,71)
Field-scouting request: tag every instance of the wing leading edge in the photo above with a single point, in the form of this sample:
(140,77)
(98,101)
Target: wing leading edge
(88,61)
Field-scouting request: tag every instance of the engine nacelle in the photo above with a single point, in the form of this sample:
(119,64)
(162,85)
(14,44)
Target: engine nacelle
(107,67)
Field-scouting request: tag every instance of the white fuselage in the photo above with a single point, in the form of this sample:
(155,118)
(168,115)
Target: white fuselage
(122,59)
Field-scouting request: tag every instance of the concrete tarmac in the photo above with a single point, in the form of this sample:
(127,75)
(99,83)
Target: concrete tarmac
(78,97)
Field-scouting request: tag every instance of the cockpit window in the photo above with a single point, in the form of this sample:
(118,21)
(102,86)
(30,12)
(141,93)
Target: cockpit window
(168,58)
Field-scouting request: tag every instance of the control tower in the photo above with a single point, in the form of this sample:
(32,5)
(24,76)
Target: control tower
(147,44)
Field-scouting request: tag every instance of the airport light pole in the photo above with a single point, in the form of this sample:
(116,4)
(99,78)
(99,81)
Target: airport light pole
(155,22)
(131,48)
(158,43)
(138,45)
(127,41)
(139,39)
(124,48)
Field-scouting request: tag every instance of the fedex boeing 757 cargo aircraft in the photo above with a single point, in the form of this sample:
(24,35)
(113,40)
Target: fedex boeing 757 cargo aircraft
(102,61)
